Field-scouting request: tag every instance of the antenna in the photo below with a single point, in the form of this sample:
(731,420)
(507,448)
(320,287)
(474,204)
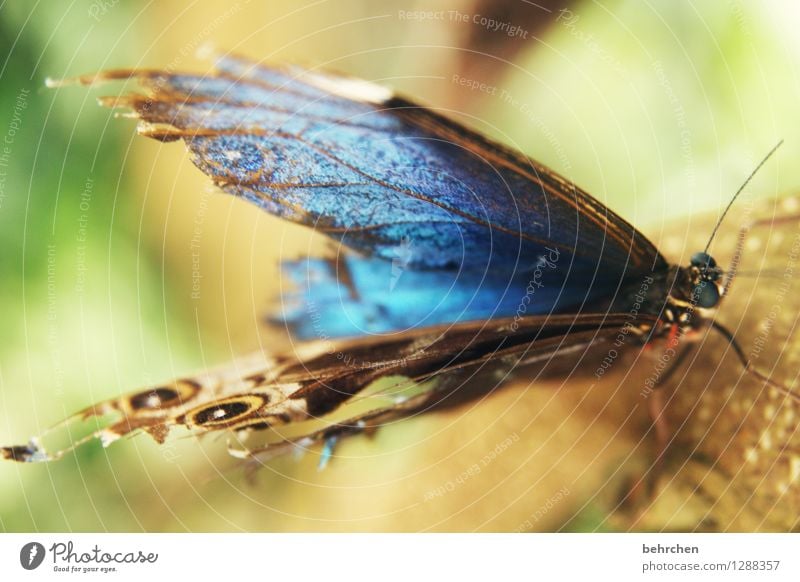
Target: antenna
(739,191)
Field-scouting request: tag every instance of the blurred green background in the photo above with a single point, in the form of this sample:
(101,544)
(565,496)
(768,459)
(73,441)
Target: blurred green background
(657,110)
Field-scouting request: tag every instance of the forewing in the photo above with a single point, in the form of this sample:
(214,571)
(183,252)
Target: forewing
(382,175)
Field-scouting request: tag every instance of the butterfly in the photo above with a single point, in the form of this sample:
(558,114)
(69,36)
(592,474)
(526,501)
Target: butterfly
(462,261)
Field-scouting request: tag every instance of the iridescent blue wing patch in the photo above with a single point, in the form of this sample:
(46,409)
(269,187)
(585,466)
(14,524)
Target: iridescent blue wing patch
(382,296)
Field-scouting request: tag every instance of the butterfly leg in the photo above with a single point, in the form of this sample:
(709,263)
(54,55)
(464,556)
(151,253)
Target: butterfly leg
(656,407)
(643,488)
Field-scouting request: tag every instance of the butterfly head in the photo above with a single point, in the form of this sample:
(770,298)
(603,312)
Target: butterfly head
(706,277)
(706,280)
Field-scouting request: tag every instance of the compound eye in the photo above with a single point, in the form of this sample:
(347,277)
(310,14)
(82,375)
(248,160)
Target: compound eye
(706,294)
(703,261)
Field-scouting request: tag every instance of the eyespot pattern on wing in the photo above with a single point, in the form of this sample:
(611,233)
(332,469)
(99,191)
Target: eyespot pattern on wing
(163,397)
(227,412)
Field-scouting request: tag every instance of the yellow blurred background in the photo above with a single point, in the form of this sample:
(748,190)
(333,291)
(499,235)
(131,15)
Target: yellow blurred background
(659,111)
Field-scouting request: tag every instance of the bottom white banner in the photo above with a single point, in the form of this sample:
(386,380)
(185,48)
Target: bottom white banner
(388,557)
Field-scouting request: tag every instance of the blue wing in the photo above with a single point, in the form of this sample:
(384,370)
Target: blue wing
(451,226)
(355,296)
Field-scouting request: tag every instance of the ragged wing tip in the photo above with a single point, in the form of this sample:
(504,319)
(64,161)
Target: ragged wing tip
(30,453)
(98,78)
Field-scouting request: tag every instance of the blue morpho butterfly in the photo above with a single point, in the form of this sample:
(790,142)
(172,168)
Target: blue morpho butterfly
(469,257)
